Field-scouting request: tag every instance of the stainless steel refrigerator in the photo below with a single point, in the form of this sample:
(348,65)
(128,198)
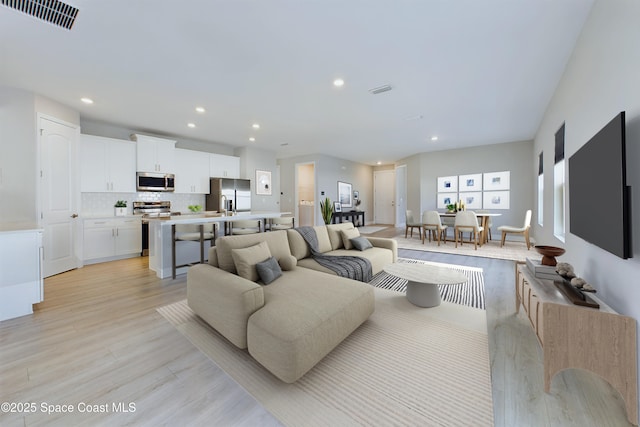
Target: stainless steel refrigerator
(229,194)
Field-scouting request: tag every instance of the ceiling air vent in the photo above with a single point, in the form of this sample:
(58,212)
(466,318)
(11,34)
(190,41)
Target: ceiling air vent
(377,90)
(52,11)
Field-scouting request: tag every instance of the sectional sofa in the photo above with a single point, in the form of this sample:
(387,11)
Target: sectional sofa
(290,324)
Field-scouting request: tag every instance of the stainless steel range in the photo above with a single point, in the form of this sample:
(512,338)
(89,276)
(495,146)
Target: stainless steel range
(150,210)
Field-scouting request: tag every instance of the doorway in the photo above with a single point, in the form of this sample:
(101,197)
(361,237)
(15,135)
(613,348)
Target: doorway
(384,197)
(305,194)
(58,194)
(401,195)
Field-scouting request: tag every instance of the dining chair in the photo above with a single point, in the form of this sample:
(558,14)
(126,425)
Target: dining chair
(245,226)
(467,221)
(431,222)
(411,223)
(193,233)
(281,223)
(518,230)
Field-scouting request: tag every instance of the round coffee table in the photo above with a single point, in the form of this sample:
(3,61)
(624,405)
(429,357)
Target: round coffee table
(423,281)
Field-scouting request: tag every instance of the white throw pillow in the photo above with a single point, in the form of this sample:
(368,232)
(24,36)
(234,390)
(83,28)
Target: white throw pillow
(347,235)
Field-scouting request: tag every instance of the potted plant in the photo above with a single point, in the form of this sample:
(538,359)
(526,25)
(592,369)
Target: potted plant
(326,209)
(357,203)
(121,207)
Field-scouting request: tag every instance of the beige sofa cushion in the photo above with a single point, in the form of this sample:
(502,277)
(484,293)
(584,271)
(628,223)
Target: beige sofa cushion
(276,240)
(304,317)
(245,260)
(299,247)
(347,235)
(224,300)
(335,234)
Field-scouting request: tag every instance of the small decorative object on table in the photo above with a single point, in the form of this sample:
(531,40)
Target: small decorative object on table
(121,208)
(565,270)
(549,253)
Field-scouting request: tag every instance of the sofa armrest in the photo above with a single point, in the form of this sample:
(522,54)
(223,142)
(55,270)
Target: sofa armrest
(223,300)
(383,242)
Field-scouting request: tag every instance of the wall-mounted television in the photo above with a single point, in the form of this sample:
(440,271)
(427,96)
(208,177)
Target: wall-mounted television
(599,199)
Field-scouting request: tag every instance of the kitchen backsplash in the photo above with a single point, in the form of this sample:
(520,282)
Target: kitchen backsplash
(97,204)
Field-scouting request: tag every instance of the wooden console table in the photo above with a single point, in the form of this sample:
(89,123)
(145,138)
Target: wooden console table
(353,215)
(572,336)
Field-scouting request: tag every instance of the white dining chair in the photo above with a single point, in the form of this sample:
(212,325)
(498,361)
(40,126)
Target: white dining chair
(431,223)
(467,221)
(505,229)
(412,223)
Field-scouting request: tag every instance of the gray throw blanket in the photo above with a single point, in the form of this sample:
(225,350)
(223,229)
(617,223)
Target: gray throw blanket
(352,267)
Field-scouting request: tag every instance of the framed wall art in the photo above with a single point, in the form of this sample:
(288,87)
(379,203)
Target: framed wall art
(263,182)
(470,182)
(496,181)
(345,194)
(447,184)
(472,199)
(496,200)
(337,207)
(445,199)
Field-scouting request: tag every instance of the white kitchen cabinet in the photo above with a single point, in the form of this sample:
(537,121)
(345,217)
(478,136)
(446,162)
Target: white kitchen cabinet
(111,238)
(107,165)
(21,283)
(192,171)
(154,154)
(221,166)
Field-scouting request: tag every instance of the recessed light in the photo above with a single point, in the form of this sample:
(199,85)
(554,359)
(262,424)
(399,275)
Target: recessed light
(252,139)
(87,100)
(434,138)
(338,82)
(191,125)
(379,163)
(200,110)
(255,126)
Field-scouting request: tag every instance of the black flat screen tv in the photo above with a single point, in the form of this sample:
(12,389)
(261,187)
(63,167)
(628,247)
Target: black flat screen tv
(599,199)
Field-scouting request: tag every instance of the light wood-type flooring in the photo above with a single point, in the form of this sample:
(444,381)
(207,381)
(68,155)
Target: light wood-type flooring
(97,340)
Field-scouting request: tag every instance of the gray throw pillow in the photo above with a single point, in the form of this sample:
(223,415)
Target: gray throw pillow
(361,243)
(268,270)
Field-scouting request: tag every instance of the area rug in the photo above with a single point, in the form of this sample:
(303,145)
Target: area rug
(470,293)
(515,251)
(405,366)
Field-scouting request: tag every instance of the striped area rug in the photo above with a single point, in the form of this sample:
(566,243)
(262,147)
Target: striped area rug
(470,293)
(405,366)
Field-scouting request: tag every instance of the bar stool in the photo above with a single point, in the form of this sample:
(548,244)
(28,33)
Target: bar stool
(281,223)
(245,226)
(191,232)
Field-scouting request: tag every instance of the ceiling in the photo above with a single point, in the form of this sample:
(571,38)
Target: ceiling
(469,72)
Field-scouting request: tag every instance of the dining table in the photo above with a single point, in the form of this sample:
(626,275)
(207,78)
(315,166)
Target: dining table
(484,222)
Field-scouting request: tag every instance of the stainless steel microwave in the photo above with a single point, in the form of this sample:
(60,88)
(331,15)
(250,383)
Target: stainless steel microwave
(150,181)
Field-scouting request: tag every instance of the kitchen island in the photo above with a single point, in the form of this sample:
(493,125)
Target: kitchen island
(188,251)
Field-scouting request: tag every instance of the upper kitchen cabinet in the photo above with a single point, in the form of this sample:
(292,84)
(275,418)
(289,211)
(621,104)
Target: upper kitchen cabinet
(154,154)
(107,165)
(192,171)
(222,166)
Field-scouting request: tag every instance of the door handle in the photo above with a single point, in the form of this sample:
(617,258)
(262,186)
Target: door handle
(74,216)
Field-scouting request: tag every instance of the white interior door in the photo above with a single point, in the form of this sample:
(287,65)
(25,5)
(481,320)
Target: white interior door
(401,196)
(58,195)
(384,197)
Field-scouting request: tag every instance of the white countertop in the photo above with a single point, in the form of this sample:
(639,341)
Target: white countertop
(17,227)
(214,217)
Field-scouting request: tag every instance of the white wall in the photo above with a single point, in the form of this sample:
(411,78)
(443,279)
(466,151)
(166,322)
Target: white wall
(19,150)
(600,80)
(252,159)
(423,170)
(329,170)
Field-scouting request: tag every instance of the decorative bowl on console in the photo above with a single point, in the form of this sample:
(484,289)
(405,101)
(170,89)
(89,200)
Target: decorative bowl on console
(549,254)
